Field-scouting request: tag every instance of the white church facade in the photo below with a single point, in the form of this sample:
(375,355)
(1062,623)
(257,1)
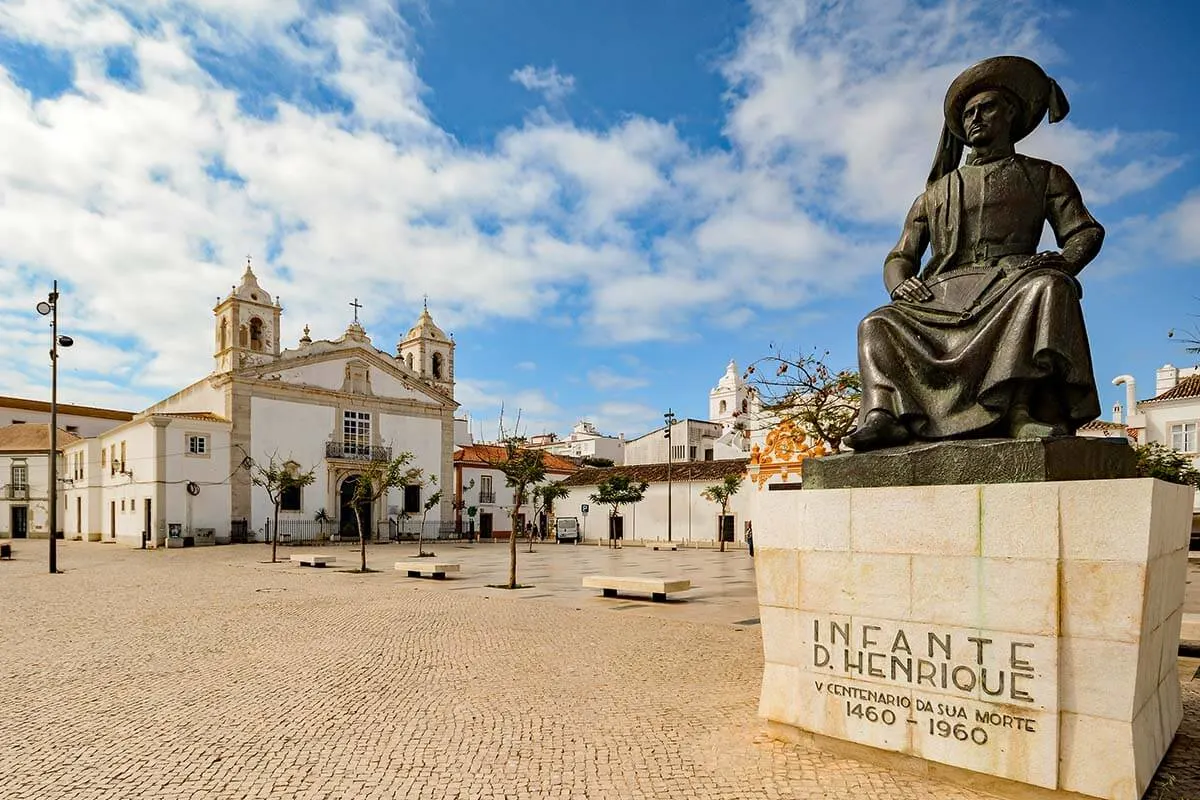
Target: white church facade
(181,468)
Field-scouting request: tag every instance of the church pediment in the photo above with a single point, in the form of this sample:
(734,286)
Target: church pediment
(346,368)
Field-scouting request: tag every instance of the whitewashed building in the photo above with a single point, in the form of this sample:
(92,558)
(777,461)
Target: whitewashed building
(584,441)
(480,486)
(182,465)
(694,520)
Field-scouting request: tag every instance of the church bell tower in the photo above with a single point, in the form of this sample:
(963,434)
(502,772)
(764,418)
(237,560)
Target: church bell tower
(247,324)
(429,353)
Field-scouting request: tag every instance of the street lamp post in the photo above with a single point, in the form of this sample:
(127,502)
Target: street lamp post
(670,419)
(50,306)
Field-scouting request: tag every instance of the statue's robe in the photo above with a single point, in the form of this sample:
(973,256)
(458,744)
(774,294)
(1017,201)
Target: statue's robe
(951,367)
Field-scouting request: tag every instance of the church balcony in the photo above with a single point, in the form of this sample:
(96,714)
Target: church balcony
(353,451)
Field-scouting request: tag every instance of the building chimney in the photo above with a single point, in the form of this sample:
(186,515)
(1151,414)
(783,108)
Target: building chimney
(1116,417)
(1165,379)
(1130,396)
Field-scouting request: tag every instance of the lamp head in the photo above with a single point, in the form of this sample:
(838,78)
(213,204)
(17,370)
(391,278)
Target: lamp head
(65,341)
(44,308)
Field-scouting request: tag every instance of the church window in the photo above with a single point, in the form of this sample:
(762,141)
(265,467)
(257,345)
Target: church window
(132,504)
(412,499)
(744,406)
(122,456)
(289,499)
(197,444)
(243,337)
(409,361)
(122,506)
(256,338)
(103,458)
(437,366)
(356,433)
(224,334)
(724,407)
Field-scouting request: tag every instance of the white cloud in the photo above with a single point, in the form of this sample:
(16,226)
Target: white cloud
(548,81)
(832,120)
(604,379)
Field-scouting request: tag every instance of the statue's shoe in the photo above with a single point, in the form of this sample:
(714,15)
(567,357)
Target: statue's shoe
(878,431)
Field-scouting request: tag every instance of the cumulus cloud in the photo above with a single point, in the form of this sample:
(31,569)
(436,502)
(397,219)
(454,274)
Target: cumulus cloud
(143,196)
(604,379)
(547,81)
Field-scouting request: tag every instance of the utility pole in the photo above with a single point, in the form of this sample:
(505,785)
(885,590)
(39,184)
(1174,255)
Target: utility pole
(50,306)
(670,419)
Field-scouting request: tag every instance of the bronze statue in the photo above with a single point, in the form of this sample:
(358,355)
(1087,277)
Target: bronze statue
(987,338)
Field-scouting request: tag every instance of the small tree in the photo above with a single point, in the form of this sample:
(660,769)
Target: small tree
(374,482)
(543,501)
(616,491)
(523,469)
(429,503)
(803,389)
(277,478)
(721,493)
(1155,460)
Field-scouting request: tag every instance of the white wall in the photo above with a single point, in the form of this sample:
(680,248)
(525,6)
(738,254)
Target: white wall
(211,507)
(296,432)
(693,518)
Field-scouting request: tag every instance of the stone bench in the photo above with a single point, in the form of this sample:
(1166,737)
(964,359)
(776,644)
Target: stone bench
(416,569)
(658,588)
(665,547)
(313,560)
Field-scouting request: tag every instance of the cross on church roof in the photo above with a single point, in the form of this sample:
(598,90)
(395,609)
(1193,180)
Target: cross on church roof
(356,306)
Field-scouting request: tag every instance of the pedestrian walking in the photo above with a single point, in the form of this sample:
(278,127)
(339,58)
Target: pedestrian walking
(750,539)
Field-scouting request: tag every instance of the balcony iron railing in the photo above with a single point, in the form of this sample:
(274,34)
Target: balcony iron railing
(487,498)
(357,452)
(18,492)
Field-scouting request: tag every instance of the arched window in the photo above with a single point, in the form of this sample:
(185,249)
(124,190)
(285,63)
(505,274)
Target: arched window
(437,366)
(409,361)
(243,337)
(745,406)
(724,407)
(224,339)
(256,342)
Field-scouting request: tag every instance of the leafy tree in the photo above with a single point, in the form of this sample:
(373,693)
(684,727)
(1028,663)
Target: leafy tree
(276,478)
(616,491)
(1155,460)
(374,482)
(721,493)
(543,501)
(429,503)
(804,389)
(523,469)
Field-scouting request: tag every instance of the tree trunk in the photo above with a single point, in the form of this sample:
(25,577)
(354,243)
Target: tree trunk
(362,540)
(421,538)
(721,527)
(512,551)
(275,533)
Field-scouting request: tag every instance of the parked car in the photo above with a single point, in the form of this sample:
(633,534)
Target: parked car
(566,529)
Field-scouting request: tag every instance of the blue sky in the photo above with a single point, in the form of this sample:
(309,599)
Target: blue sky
(604,202)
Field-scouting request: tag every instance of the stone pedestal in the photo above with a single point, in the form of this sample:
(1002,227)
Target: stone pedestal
(1023,631)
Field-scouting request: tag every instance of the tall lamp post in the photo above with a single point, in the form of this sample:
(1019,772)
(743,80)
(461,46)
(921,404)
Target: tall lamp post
(670,419)
(50,306)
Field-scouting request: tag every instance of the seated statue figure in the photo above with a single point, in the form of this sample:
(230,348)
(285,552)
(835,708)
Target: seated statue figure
(987,338)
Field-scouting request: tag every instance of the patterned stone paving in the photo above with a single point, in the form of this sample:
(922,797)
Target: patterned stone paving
(205,673)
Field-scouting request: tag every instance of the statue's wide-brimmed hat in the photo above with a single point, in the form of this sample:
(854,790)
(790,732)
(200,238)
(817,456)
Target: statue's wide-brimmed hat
(1034,91)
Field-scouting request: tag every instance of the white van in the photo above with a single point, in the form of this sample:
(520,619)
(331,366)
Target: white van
(566,529)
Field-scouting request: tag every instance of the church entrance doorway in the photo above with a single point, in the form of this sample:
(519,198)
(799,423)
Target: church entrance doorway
(348,525)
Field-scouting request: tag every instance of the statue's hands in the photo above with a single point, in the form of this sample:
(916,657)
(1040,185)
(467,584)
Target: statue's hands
(1048,259)
(913,290)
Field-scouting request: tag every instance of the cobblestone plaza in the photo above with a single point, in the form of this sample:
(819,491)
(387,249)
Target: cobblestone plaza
(207,673)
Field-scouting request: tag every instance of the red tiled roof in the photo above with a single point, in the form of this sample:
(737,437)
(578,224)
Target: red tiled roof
(32,437)
(1188,387)
(657,473)
(486,455)
(1102,425)
(205,416)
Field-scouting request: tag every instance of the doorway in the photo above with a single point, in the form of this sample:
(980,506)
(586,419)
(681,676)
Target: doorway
(485,526)
(112,519)
(20,522)
(146,523)
(348,524)
(616,527)
(725,526)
